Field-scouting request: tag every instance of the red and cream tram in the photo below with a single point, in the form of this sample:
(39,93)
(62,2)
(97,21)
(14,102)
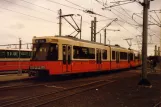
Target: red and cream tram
(56,55)
(14,59)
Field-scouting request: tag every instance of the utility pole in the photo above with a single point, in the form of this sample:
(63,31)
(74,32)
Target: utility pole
(92,31)
(95,27)
(60,22)
(20,43)
(158,51)
(27,46)
(104,36)
(100,37)
(77,28)
(80,27)
(144,81)
(155,50)
(19,55)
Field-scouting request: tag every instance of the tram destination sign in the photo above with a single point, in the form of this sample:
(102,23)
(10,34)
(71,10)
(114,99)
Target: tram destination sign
(40,41)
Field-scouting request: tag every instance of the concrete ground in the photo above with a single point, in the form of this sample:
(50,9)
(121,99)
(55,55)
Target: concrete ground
(122,92)
(11,77)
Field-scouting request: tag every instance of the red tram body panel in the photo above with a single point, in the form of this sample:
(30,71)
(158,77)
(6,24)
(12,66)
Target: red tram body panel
(11,61)
(55,55)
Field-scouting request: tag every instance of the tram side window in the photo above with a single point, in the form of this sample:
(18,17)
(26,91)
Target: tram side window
(91,53)
(131,57)
(104,52)
(123,55)
(113,55)
(24,54)
(83,53)
(30,54)
(12,54)
(2,54)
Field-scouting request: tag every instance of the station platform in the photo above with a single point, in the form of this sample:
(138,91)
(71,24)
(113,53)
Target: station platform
(13,77)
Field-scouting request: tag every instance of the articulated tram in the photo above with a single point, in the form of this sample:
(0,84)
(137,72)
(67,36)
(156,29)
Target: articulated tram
(56,55)
(14,59)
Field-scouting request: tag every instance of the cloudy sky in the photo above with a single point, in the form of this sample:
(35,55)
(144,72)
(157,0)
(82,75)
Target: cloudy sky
(27,18)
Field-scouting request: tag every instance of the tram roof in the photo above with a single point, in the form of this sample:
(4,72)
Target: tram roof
(80,40)
(17,49)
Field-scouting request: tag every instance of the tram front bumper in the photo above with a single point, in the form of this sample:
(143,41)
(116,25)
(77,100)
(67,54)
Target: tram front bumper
(38,71)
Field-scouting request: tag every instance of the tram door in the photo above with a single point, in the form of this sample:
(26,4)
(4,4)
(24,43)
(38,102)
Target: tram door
(66,50)
(117,59)
(98,59)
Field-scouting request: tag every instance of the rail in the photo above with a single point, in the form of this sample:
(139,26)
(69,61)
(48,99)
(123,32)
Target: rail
(43,99)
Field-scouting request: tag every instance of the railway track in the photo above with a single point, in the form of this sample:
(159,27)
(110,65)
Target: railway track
(49,97)
(158,104)
(20,86)
(10,87)
(27,85)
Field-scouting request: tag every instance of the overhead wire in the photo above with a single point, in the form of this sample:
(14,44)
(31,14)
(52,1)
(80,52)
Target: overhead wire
(115,14)
(117,5)
(129,17)
(45,8)
(23,6)
(125,28)
(123,20)
(128,14)
(75,4)
(64,5)
(27,15)
(86,11)
(39,6)
(157,16)
(30,9)
(106,17)
(158,24)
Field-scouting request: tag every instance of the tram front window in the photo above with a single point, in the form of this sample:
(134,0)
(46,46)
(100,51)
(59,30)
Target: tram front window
(42,52)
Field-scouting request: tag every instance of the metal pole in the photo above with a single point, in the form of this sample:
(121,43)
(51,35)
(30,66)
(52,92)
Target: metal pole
(27,46)
(60,22)
(104,36)
(100,37)
(20,44)
(144,80)
(158,51)
(81,28)
(155,50)
(95,20)
(19,54)
(91,30)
